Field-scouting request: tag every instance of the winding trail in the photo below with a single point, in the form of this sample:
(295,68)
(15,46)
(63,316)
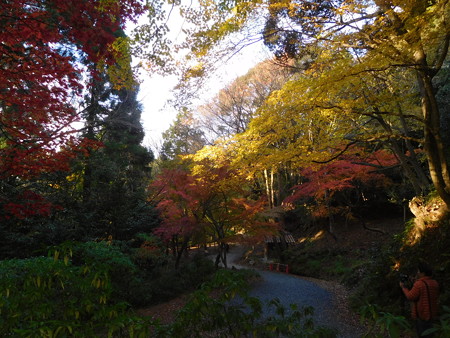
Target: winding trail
(292,289)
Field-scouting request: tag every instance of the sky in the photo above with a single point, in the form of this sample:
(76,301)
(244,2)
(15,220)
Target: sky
(155,90)
(157,115)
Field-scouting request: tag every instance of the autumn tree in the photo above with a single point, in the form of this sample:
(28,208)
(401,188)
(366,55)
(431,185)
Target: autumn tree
(41,42)
(210,202)
(229,214)
(54,52)
(230,111)
(381,35)
(289,131)
(285,135)
(330,118)
(348,188)
(179,208)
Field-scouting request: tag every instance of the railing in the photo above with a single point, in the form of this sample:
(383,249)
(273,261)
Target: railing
(278,267)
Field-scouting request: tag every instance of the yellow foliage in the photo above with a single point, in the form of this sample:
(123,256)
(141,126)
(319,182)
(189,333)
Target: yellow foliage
(358,87)
(73,177)
(121,73)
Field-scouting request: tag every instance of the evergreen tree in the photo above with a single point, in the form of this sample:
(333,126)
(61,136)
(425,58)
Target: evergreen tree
(115,175)
(183,137)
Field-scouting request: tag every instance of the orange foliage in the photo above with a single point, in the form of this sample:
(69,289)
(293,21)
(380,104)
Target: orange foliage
(212,203)
(345,174)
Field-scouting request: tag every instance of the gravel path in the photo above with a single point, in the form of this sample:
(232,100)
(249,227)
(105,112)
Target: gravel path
(328,299)
(290,289)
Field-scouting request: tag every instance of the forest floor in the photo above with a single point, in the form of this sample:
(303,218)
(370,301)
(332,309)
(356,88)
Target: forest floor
(358,236)
(355,237)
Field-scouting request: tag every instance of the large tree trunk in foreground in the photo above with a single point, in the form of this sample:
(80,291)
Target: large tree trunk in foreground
(433,142)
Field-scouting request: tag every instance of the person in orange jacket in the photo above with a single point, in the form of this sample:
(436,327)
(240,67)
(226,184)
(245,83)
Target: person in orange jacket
(424,296)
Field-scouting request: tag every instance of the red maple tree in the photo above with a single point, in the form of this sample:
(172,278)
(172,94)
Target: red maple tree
(211,206)
(347,174)
(41,44)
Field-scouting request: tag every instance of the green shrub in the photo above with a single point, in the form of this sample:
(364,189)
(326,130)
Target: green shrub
(383,322)
(324,264)
(167,283)
(107,257)
(50,297)
(397,326)
(442,328)
(140,276)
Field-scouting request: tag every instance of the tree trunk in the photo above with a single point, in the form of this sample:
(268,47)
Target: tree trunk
(90,134)
(330,217)
(272,190)
(269,187)
(221,255)
(180,251)
(422,177)
(433,143)
(409,164)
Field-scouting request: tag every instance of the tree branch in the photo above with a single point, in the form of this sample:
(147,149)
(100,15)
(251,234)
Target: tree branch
(337,155)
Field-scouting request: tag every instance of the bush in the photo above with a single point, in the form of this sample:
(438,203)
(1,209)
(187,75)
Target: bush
(383,322)
(323,264)
(87,288)
(140,276)
(107,257)
(168,282)
(46,296)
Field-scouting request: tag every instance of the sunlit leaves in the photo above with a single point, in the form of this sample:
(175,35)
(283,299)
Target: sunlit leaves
(179,205)
(210,199)
(39,77)
(352,174)
(47,48)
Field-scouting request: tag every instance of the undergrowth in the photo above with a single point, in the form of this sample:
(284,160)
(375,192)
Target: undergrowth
(373,275)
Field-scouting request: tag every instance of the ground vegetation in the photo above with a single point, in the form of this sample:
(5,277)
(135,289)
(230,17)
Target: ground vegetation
(349,133)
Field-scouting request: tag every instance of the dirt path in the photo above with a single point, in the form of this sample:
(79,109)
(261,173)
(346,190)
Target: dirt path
(328,299)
